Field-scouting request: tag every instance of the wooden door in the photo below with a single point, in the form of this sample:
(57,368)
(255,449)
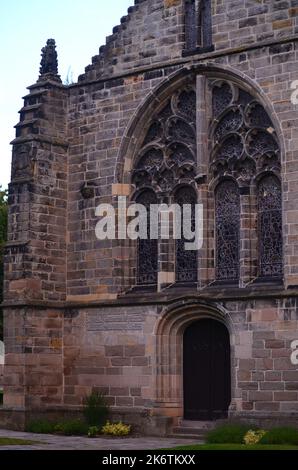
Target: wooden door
(206,370)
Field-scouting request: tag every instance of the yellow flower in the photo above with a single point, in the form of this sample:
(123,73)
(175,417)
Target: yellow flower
(117,429)
(253,437)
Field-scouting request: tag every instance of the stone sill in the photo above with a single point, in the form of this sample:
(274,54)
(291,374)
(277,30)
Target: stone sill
(162,298)
(73,408)
(197,50)
(40,138)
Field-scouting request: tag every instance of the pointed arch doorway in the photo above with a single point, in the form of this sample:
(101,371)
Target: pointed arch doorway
(206,370)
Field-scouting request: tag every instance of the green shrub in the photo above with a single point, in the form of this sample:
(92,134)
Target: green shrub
(75,427)
(96,409)
(117,429)
(228,434)
(93,431)
(285,435)
(40,426)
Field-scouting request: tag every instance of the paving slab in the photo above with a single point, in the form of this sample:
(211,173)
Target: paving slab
(52,442)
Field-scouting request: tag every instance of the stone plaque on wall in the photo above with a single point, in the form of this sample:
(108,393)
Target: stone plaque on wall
(116,320)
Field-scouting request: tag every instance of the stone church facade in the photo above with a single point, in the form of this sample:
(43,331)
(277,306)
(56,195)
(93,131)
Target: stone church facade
(189,101)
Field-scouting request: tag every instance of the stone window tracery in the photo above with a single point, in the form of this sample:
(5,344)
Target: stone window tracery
(270,227)
(227,222)
(243,149)
(244,146)
(169,148)
(167,159)
(186,260)
(147,251)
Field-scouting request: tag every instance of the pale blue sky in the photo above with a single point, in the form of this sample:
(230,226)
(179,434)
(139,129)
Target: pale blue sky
(79,27)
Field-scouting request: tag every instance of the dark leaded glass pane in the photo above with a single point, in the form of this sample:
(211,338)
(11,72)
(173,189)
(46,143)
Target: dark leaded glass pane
(154,132)
(232,147)
(180,154)
(244,98)
(147,257)
(153,158)
(229,123)
(166,112)
(222,97)
(260,142)
(186,260)
(227,212)
(187,104)
(181,130)
(270,227)
(257,116)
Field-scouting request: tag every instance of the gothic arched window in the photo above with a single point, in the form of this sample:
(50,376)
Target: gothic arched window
(198,26)
(227,226)
(186,260)
(167,155)
(245,145)
(270,227)
(147,252)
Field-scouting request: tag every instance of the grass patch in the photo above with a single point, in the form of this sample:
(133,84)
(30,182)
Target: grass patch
(286,435)
(234,434)
(230,433)
(231,437)
(7,441)
(236,447)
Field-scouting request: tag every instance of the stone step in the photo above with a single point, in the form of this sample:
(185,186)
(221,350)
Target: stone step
(193,431)
(198,439)
(205,425)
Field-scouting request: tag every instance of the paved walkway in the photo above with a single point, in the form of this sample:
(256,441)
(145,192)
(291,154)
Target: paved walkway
(51,442)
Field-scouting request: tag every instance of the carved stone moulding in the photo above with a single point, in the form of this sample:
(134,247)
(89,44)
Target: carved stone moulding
(23,162)
(243,139)
(168,152)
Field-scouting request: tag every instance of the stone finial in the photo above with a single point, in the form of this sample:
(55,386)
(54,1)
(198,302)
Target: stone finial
(49,61)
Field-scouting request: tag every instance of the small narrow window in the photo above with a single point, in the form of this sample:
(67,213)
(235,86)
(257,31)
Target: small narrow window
(205,21)
(198,26)
(190,25)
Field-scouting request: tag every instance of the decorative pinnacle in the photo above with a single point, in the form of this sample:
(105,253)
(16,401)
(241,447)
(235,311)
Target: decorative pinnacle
(49,61)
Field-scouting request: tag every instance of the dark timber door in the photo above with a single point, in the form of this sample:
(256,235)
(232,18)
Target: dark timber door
(206,370)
